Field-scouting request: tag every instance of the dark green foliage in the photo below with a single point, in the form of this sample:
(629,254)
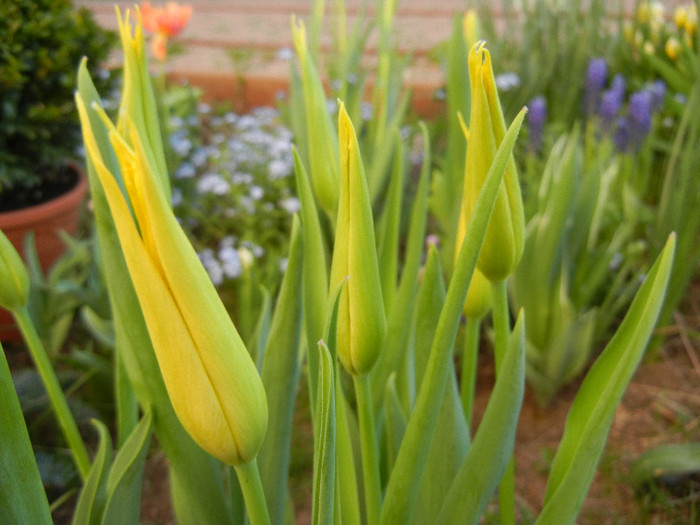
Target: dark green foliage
(41,44)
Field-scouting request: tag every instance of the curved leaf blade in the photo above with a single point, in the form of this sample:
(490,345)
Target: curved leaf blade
(593,409)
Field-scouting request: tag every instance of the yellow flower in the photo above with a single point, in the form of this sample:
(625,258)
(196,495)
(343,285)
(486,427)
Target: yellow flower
(211,380)
(673,48)
(361,318)
(691,23)
(680,16)
(470,25)
(503,243)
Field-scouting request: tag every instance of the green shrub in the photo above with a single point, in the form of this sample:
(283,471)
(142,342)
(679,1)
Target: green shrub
(41,44)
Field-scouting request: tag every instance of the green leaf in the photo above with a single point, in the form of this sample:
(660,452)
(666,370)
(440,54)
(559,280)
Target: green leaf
(593,409)
(314,271)
(451,443)
(405,479)
(22,496)
(324,442)
(673,461)
(394,422)
(124,482)
(492,448)
(258,337)
(399,316)
(429,302)
(390,226)
(280,375)
(91,502)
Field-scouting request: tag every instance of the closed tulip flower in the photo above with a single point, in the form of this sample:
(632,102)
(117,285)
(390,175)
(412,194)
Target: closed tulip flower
(361,319)
(211,380)
(503,243)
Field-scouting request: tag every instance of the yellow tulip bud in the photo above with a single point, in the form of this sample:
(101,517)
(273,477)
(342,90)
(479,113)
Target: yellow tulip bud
(673,48)
(503,243)
(691,23)
(680,16)
(14,279)
(643,13)
(212,382)
(470,24)
(361,319)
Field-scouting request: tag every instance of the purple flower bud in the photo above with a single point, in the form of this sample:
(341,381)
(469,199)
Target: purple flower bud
(631,130)
(596,75)
(611,101)
(639,110)
(658,95)
(621,136)
(536,119)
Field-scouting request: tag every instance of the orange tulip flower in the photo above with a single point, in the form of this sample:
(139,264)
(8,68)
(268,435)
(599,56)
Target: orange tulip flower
(164,22)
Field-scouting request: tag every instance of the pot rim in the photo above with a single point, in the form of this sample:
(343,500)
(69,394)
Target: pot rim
(71,198)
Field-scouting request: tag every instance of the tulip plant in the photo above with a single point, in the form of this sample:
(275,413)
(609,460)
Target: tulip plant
(373,335)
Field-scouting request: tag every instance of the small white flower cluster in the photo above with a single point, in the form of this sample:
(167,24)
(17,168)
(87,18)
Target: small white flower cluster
(232,189)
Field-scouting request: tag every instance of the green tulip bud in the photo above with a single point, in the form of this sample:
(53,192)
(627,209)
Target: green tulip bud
(361,318)
(14,279)
(212,382)
(322,143)
(503,243)
(478,302)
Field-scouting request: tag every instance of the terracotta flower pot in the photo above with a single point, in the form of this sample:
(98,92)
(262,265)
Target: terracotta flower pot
(46,220)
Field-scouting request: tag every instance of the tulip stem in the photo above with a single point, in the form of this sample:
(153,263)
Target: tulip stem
(54,391)
(253,494)
(469,366)
(370,451)
(501,327)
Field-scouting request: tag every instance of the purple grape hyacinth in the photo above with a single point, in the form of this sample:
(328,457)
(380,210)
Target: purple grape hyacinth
(536,119)
(596,76)
(611,101)
(634,127)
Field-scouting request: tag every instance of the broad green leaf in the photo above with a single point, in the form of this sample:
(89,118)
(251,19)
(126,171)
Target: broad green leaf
(22,496)
(382,152)
(280,375)
(406,477)
(448,194)
(389,228)
(674,461)
(347,508)
(123,504)
(261,331)
(314,272)
(429,302)
(394,422)
(324,442)
(450,444)
(593,409)
(399,316)
(492,448)
(91,503)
